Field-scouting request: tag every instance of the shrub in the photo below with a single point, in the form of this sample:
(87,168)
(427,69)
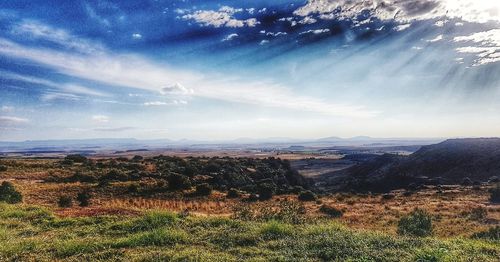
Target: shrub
(65,201)
(133,188)
(492,234)
(418,223)
(297,189)
(252,198)
(178,182)
(83,198)
(203,189)
(495,194)
(307,196)
(9,194)
(275,229)
(3,168)
(266,191)
(331,211)
(137,158)
(233,193)
(77,158)
(388,196)
(493,179)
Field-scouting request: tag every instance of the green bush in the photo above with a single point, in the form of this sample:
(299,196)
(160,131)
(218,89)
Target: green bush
(418,223)
(331,211)
(76,158)
(307,196)
(3,168)
(266,191)
(9,194)
(178,182)
(65,201)
(203,189)
(233,193)
(83,198)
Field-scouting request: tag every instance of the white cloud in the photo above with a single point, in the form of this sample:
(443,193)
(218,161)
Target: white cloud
(136,36)
(402,27)
(224,17)
(479,11)
(12,120)
(161,103)
(100,118)
(229,37)
(436,39)
(264,42)
(177,89)
(486,48)
(316,31)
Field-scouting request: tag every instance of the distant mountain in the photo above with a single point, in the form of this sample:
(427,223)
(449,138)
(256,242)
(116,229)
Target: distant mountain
(449,162)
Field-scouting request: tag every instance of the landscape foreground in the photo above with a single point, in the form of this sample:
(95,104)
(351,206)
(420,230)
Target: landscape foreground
(231,209)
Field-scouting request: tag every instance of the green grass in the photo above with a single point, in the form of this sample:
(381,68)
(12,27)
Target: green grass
(33,233)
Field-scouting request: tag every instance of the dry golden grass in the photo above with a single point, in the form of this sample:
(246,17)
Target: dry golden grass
(450,208)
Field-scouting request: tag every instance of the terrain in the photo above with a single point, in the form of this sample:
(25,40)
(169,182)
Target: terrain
(454,161)
(321,204)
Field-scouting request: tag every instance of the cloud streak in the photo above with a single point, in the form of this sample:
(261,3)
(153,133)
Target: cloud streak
(134,71)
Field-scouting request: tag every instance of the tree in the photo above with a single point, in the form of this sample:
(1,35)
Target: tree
(178,182)
(84,198)
(65,201)
(203,189)
(266,191)
(9,194)
(307,196)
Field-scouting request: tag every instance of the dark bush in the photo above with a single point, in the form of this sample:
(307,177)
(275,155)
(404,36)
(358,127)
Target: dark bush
(65,201)
(81,177)
(115,175)
(3,168)
(492,234)
(203,189)
(307,196)
(493,179)
(84,198)
(9,194)
(133,188)
(178,182)
(137,158)
(252,198)
(233,193)
(297,189)
(76,158)
(418,223)
(331,211)
(495,194)
(266,191)
(388,196)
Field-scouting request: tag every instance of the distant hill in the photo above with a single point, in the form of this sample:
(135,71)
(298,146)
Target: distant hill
(449,162)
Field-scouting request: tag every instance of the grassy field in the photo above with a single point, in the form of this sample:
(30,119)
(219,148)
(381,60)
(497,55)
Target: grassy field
(181,226)
(34,233)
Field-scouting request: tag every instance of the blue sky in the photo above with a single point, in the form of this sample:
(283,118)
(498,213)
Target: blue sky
(230,69)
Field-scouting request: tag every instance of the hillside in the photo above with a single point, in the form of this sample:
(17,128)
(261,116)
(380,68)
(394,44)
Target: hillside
(449,162)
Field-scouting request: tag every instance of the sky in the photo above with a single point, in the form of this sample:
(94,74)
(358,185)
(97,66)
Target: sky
(218,70)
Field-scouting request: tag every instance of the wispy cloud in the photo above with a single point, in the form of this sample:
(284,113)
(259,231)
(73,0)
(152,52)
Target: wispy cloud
(486,46)
(114,129)
(12,120)
(137,72)
(100,118)
(36,30)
